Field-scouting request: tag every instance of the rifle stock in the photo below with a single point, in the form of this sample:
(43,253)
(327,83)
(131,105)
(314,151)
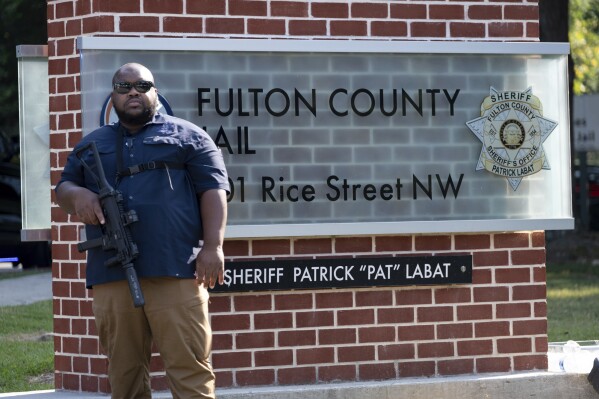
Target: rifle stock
(116,235)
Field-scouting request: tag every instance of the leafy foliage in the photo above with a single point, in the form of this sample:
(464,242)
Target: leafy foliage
(21,22)
(584,41)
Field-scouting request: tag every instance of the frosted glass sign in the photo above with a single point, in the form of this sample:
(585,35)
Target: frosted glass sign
(34,135)
(356,137)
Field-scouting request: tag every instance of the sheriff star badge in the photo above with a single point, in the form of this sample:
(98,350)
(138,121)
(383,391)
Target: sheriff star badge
(512,130)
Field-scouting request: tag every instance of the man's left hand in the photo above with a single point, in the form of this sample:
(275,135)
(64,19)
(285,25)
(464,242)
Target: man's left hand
(210,266)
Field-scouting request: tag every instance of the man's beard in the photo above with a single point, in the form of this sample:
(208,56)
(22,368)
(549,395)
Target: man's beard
(137,119)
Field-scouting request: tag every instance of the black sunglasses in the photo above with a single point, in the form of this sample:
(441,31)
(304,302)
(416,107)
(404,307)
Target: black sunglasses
(142,86)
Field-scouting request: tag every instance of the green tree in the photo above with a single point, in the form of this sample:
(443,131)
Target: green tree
(21,22)
(584,41)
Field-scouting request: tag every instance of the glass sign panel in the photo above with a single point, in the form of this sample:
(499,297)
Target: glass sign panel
(34,132)
(353,142)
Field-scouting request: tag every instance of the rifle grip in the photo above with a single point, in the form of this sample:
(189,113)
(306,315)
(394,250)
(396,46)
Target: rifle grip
(89,244)
(134,287)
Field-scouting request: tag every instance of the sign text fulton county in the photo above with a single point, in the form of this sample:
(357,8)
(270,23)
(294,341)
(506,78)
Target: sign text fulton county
(272,275)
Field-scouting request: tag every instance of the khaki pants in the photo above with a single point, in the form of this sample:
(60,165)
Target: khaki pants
(175,317)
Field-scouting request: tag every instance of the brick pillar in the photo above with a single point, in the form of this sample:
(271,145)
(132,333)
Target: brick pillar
(496,324)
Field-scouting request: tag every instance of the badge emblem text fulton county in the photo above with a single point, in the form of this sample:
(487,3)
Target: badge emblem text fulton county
(512,129)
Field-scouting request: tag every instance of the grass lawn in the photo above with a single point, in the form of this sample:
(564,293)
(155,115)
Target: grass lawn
(26,349)
(573,302)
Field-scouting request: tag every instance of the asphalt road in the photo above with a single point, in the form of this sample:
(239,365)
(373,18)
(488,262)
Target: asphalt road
(26,289)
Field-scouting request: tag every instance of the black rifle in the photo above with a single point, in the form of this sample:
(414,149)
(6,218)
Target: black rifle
(116,235)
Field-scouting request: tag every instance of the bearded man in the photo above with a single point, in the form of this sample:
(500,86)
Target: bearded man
(173,175)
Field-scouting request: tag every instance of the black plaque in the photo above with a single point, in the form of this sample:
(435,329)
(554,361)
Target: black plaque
(269,275)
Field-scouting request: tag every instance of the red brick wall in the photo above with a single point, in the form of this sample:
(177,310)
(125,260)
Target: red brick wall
(496,324)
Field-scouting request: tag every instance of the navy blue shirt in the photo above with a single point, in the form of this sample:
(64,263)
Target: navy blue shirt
(164,199)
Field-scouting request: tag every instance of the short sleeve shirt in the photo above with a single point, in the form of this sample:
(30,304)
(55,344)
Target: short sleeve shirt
(165,200)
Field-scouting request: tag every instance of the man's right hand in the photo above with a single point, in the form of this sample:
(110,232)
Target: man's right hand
(80,201)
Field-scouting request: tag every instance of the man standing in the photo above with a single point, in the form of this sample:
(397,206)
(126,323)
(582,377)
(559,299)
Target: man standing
(173,175)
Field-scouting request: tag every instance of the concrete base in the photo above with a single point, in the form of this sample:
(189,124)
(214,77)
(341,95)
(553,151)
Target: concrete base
(522,385)
(543,385)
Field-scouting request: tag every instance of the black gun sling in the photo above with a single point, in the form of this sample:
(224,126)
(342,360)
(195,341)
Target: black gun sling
(132,170)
